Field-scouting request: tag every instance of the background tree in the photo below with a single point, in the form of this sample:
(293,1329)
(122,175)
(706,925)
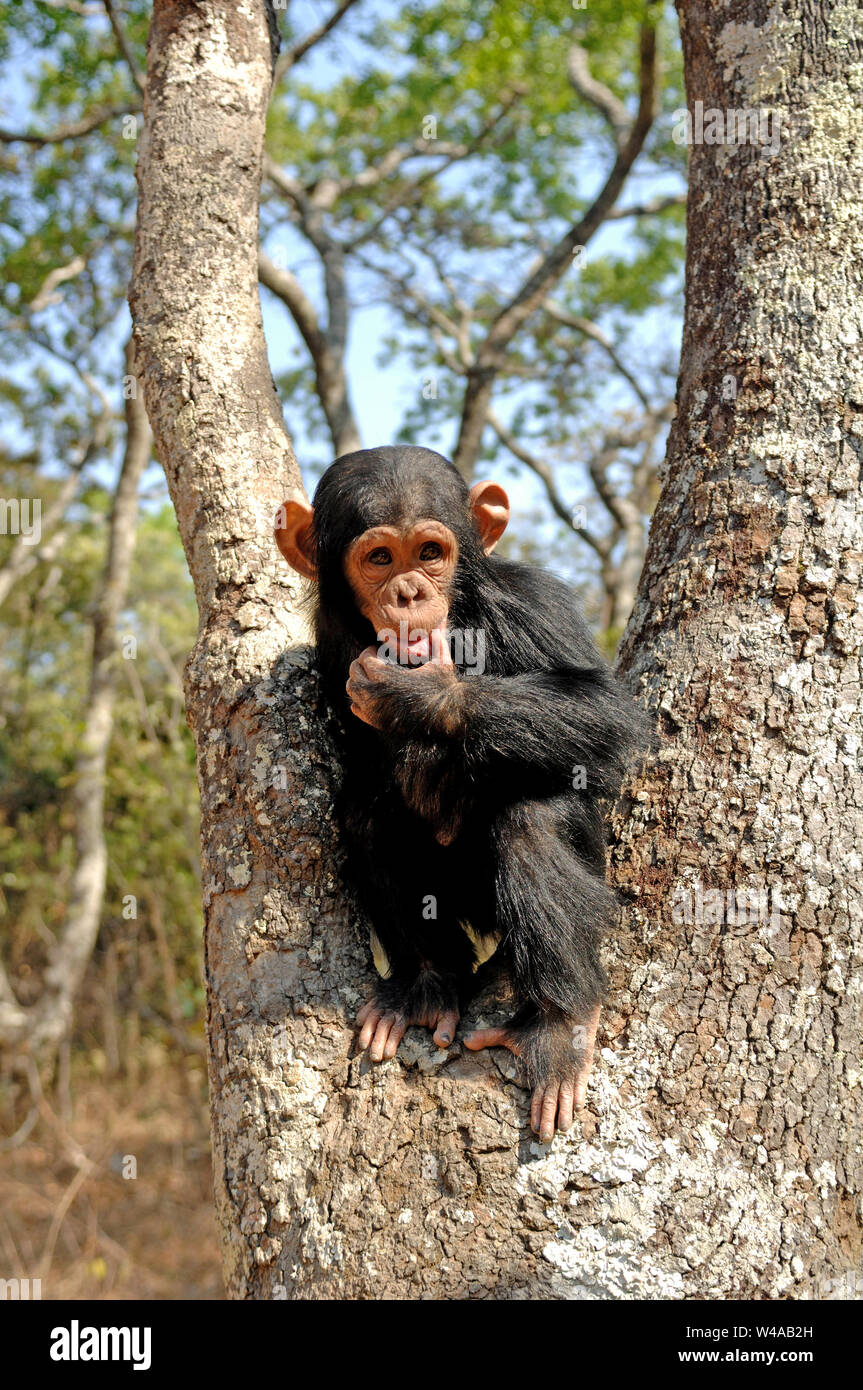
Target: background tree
(47,1023)
(426,225)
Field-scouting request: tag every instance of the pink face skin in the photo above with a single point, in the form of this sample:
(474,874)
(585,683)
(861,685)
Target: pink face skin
(401,579)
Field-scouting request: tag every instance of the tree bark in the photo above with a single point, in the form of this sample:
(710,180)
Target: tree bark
(740,1041)
(715,1159)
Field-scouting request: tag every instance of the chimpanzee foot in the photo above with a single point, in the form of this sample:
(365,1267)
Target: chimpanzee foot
(558,1055)
(384,1020)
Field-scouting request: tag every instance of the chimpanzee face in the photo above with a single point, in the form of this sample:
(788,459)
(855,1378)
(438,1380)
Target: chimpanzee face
(373,526)
(403,575)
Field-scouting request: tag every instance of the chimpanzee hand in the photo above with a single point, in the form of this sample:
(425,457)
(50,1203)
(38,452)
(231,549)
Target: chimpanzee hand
(561,1054)
(395,698)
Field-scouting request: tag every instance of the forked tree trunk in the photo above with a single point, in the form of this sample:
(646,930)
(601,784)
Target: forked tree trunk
(719,1157)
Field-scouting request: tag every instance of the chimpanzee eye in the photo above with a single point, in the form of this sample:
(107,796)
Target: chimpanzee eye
(381,556)
(431,551)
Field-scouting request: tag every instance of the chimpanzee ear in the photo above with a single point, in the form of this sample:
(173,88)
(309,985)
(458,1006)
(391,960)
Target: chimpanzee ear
(296,538)
(489,507)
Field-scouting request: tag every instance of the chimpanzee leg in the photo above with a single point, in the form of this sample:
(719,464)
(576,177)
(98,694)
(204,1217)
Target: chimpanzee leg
(552,907)
(413,907)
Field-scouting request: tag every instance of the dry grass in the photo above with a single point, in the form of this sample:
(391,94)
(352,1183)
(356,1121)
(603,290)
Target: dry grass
(69,1216)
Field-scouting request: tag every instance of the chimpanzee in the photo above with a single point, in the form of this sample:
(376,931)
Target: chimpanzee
(477,742)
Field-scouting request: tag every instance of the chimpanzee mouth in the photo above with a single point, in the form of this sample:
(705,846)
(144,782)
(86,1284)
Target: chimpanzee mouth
(406,642)
(417,649)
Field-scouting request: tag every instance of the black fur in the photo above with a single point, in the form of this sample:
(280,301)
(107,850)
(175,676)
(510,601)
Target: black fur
(493,769)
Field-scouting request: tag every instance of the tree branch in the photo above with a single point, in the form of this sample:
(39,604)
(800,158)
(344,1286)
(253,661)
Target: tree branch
(72,131)
(546,476)
(23,558)
(326,346)
(288,289)
(293,55)
(671,200)
(395,158)
(596,94)
(624,512)
(59,275)
(453,154)
(594,332)
(69,360)
(286,184)
(124,46)
(532,293)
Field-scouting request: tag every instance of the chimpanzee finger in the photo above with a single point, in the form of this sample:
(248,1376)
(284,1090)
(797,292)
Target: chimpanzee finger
(543,1103)
(358,681)
(536,1106)
(548,1113)
(372,1016)
(489,1037)
(564,1107)
(379,1041)
(371,664)
(581,1088)
(397,1032)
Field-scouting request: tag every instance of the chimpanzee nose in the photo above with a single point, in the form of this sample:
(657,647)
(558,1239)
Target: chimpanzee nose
(406,590)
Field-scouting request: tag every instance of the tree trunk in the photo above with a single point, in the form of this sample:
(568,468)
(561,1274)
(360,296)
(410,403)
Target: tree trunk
(740,1045)
(719,1163)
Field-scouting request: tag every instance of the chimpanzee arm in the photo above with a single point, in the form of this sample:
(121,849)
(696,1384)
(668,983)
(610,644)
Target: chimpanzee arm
(462,745)
(537,726)
(548,723)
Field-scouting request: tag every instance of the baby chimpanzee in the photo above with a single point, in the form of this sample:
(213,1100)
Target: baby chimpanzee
(478,741)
